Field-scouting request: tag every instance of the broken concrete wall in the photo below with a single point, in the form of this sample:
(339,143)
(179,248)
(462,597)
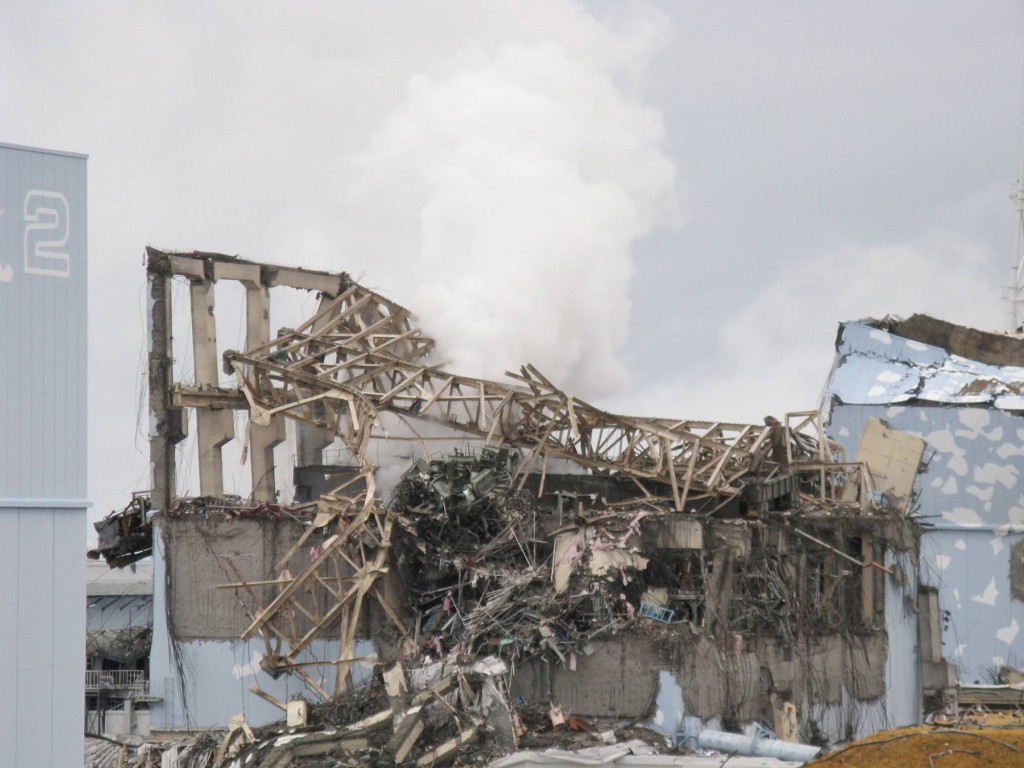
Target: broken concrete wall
(983,346)
(764,618)
(200,684)
(618,678)
(199,552)
(734,685)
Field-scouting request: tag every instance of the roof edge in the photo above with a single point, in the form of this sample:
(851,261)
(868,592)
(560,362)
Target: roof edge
(990,347)
(42,151)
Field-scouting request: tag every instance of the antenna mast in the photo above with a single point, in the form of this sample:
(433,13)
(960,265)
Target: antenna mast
(1016,287)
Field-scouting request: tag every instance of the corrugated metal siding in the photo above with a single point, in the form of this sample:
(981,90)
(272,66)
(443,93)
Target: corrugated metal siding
(42,456)
(43,345)
(902,672)
(971,498)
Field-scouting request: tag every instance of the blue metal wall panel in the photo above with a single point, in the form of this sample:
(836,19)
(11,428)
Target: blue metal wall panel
(902,672)
(971,500)
(9,524)
(34,692)
(42,455)
(69,606)
(43,314)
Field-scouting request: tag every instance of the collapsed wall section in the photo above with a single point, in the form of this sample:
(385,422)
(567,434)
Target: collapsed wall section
(752,620)
(199,683)
(620,677)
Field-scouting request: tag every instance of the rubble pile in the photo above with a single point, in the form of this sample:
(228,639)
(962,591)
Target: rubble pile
(466,554)
(198,751)
(483,576)
(235,506)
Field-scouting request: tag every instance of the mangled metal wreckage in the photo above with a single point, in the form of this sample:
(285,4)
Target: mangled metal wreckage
(575,554)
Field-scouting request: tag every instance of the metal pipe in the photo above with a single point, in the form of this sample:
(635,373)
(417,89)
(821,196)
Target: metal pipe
(753,746)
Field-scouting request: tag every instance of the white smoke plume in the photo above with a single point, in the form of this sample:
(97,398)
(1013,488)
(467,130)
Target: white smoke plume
(500,201)
(777,350)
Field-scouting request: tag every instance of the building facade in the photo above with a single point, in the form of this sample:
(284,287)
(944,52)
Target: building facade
(959,390)
(119,631)
(42,455)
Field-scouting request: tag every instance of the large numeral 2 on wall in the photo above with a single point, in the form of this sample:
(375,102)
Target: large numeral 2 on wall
(46,234)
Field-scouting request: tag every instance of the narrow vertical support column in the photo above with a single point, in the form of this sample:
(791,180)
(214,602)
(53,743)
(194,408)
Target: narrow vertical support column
(167,425)
(216,426)
(867,579)
(262,440)
(929,627)
(257,313)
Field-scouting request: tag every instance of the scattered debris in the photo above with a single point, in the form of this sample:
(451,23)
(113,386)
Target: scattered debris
(1005,697)
(126,536)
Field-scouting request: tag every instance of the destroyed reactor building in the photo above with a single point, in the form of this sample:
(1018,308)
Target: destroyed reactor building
(589,563)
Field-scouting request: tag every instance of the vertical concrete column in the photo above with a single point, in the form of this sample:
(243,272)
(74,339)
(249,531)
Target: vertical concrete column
(257,313)
(216,426)
(867,578)
(167,424)
(262,440)
(929,627)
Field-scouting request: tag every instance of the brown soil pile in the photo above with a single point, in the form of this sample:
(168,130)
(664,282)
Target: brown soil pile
(962,746)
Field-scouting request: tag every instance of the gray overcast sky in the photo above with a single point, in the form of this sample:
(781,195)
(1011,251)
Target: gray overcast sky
(667,206)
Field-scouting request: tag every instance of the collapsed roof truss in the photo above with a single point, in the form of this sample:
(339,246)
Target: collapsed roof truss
(344,365)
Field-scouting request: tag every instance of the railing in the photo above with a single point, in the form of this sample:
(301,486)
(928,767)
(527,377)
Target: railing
(128,680)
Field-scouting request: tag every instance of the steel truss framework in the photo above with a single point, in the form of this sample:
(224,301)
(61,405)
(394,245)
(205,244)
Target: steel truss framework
(358,356)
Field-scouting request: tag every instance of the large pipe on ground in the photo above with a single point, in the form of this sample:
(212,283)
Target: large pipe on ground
(756,746)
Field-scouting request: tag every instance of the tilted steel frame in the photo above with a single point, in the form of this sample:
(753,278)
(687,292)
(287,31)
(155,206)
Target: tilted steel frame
(346,364)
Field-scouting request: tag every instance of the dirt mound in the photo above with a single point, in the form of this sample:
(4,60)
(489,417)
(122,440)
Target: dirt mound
(993,745)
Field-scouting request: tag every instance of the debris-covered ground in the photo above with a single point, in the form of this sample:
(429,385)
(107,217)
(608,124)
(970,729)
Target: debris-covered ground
(456,715)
